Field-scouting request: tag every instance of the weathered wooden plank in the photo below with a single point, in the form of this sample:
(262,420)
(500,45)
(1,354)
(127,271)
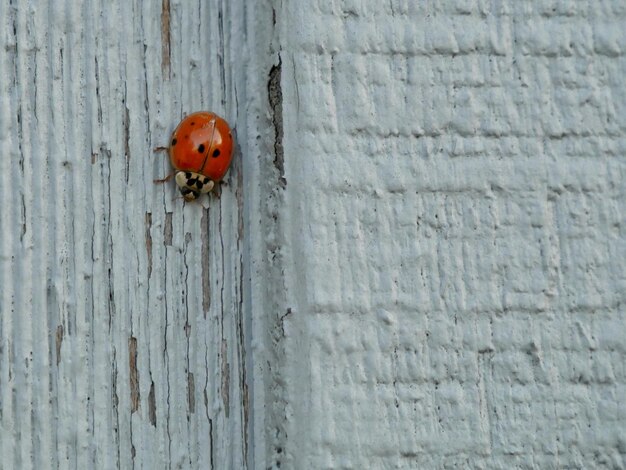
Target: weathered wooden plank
(124,337)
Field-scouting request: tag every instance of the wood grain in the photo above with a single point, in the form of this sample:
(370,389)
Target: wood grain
(123,322)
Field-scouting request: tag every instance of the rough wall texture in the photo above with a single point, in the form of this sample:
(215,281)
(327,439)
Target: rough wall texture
(454,234)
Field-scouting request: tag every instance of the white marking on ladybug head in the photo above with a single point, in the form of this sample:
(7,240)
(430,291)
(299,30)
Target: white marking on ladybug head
(181,179)
(207,185)
(193,184)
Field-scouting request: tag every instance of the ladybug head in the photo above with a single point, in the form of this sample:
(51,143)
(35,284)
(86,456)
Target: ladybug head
(191,184)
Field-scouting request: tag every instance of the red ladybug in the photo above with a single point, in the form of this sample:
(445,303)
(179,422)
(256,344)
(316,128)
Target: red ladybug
(201,150)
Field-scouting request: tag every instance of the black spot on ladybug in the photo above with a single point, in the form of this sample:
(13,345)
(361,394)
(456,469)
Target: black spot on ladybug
(199,184)
(174,142)
(187,175)
(191,181)
(193,123)
(187,191)
(206,180)
(201,148)
(216,153)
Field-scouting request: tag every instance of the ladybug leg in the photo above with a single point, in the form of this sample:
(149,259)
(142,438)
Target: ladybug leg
(168,177)
(217,190)
(164,180)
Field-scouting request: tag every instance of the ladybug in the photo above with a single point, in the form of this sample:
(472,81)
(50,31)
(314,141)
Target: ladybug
(200,151)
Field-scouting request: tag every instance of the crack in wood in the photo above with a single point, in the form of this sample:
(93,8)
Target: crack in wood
(165,38)
(133,374)
(222,51)
(206,277)
(167,230)
(127,138)
(59,342)
(275,94)
(191,392)
(152,406)
(149,241)
(225,388)
(238,170)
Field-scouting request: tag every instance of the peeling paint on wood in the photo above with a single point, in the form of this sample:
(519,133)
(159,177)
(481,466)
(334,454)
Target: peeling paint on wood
(165,38)
(191,393)
(133,374)
(275,95)
(110,334)
(59,342)
(204,259)
(149,241)
(225,385)
(167,230)
(152,405)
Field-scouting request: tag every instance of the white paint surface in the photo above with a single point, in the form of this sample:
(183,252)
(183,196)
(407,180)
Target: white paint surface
(435,279)
(122,315)
(454,234)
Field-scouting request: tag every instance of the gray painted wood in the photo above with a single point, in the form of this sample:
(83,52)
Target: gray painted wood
(125,313)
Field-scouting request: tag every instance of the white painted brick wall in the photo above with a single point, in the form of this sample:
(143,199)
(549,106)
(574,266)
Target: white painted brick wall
(454,238)
(417,260)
